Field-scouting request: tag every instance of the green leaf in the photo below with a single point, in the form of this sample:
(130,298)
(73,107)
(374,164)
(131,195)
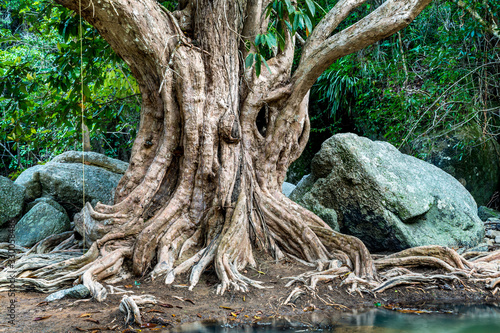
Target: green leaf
(86,91)
(280,10)
(309,25)
(290,8)
(23,89)
(296,22)
(258,64)
(249,60)
(281,39)
(258,40)
(271,40)
(265,63)
(269,9)
(311,7)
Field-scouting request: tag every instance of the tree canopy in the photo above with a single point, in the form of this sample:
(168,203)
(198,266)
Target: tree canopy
(40,92)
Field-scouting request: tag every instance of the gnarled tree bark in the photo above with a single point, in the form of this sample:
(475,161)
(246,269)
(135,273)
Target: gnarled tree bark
(215,142)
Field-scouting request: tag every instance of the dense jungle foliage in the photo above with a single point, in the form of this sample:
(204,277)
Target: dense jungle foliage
(439,74)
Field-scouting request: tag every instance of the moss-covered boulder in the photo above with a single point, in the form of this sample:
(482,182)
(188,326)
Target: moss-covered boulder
(389,200)
(42,221)
(485,213)
(466,154)
(11,199)
(61,179)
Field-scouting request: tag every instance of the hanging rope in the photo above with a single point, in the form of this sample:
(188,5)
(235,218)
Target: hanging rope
(83,110)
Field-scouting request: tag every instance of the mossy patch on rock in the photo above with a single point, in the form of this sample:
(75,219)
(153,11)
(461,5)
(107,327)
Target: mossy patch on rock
(468,155)
(41,221)
(391,201)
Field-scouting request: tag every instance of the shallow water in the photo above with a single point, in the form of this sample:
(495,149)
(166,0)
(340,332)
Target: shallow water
(447,319)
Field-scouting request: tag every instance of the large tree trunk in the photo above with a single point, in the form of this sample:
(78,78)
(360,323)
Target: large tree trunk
(215,141)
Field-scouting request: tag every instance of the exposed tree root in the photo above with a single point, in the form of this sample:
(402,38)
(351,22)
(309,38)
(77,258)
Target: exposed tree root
(494,256)
(393,271)
(130,306)
(8,249)
(293,296)
(412,279)
(449,256)
(493,283)
(47,266)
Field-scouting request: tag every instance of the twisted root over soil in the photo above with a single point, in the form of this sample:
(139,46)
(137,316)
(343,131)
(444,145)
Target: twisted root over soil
(58,260)
(121,246)
(392,270)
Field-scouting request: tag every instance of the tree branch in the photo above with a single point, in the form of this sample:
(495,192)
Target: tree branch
(255,22)
(329,23)
(323,49)
(140,31)
(490,27)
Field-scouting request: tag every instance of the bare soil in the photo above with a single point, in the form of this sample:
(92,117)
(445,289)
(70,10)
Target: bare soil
(178,306)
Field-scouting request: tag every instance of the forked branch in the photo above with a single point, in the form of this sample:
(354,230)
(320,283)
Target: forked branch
(127,27)
(322,49)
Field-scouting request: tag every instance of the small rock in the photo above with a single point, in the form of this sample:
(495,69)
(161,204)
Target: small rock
(497,239)
(485,213)
(492,223)
(78,291)
(287,188)
(483,247)
(47,201)
(492,233)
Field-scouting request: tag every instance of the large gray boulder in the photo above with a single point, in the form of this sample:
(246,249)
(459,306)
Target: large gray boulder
(64,183)
(11,199)
(41,221)
(318,202)
(466,154)
(91,158)
(30,179)
(389,200)
(62,179)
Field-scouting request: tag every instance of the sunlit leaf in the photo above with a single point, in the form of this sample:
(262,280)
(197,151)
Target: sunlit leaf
(249,60)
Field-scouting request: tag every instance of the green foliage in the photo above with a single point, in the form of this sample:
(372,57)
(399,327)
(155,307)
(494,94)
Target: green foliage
(338,87)
(442,71)
(284,17)
(435,76)
(41,93)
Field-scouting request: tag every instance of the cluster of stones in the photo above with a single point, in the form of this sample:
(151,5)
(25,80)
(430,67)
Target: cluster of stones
(44,198)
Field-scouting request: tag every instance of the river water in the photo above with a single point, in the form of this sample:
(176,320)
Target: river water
(440,319)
